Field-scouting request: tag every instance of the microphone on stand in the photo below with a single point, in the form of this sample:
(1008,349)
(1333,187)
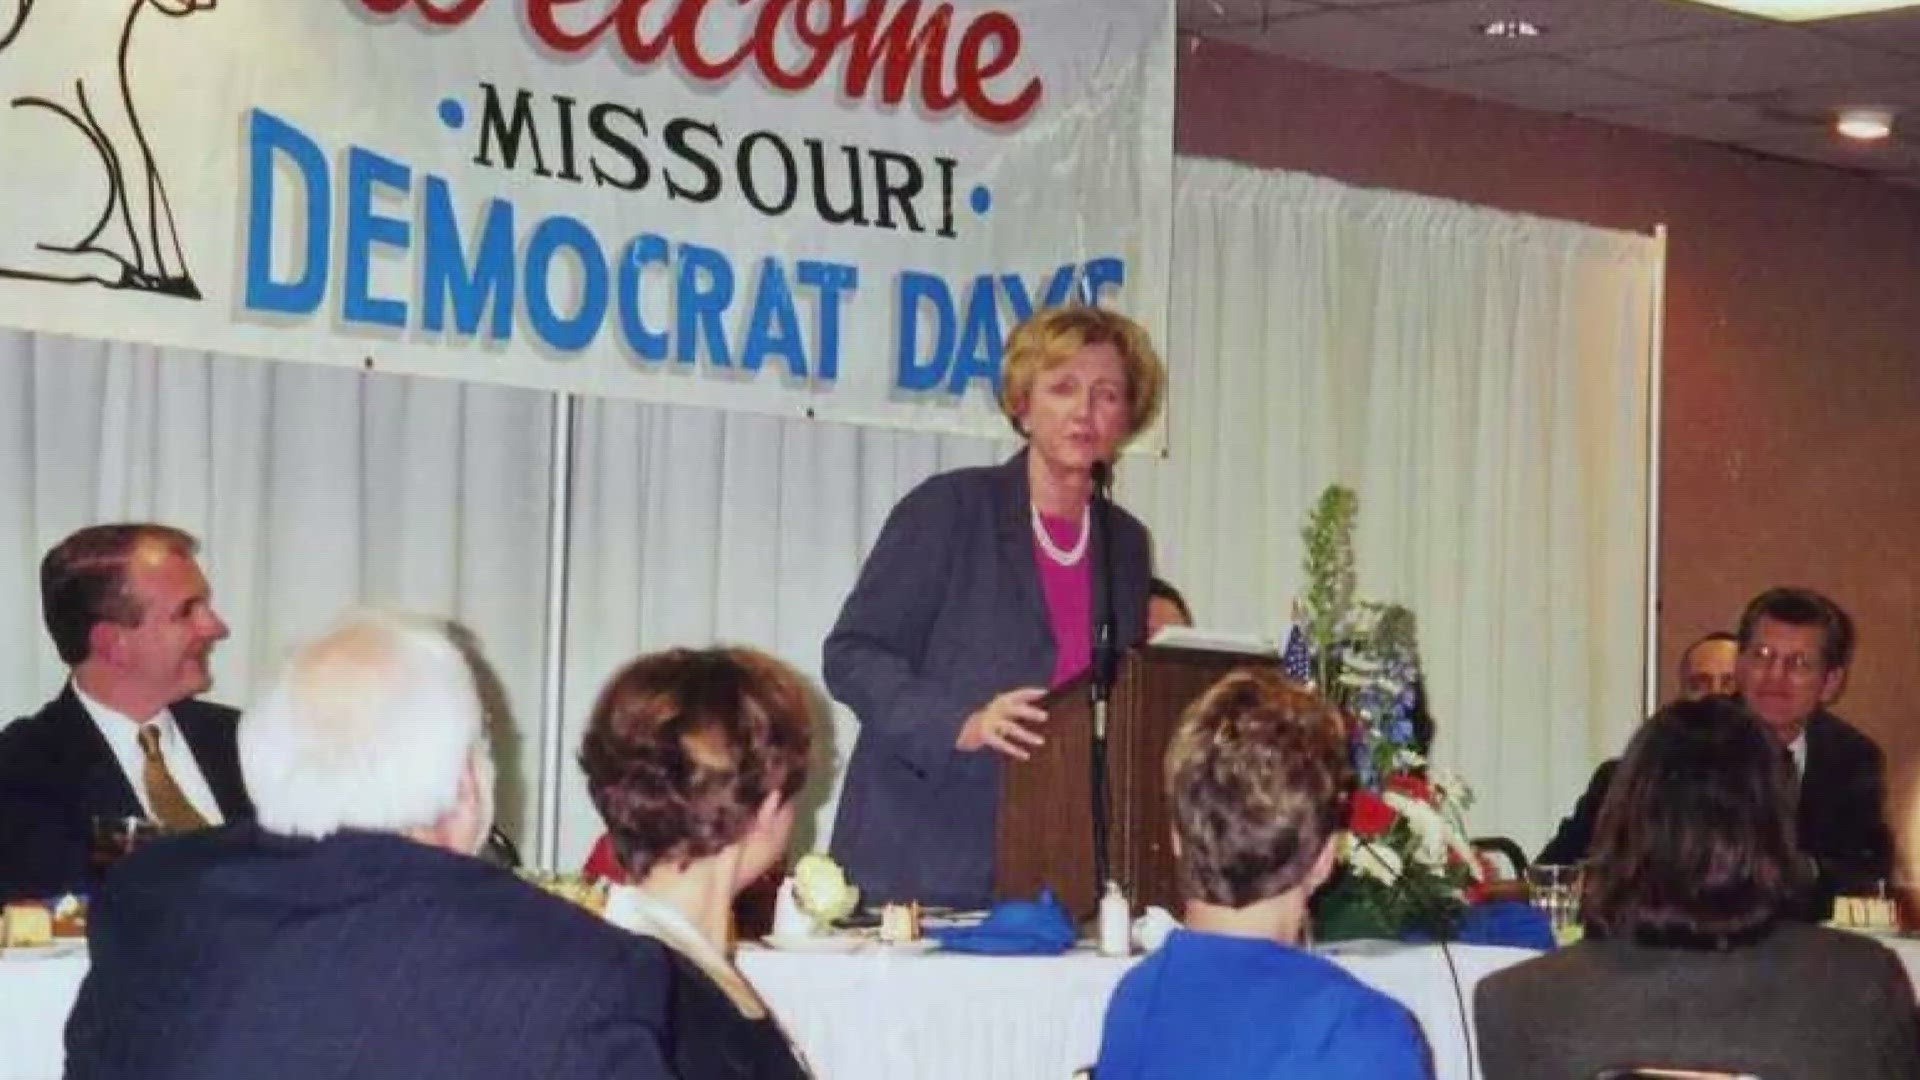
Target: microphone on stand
(1106,657)
(1105,665)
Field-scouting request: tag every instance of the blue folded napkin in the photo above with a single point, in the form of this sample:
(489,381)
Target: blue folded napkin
(1507,922)
(1038,927)
(1501,922)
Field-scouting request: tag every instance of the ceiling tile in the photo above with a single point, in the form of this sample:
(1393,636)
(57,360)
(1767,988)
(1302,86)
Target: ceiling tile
(1821,104)
(1896,31)
(1711,119)
(1543,83)
(1751,62)
(1351,40)
(1568,24)
(1211,14)
(1827,148)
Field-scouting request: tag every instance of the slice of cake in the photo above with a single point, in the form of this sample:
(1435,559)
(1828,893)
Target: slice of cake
(1866,913)
(900,923)
(25,923)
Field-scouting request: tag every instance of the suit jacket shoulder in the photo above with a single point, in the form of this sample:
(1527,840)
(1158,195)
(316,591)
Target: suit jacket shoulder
(56,774)
(1571,1012)
(361,954)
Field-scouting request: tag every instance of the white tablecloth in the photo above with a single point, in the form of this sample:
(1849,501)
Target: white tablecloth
(36,992)
(879,1016)
(951,1017)
(884,1017)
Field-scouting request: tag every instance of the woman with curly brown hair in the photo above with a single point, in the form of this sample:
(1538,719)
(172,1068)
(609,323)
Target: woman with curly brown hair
(693,758)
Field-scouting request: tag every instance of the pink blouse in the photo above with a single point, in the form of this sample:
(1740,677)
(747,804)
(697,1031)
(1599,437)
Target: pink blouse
(1069,593)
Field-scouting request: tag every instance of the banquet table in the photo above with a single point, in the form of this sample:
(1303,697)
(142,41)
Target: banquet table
(951,1017)
(876,1015)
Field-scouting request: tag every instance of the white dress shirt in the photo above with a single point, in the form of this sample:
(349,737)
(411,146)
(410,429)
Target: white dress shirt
(1798,748)
(123,736)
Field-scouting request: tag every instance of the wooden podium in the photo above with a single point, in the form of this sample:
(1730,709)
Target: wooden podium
(1044,833)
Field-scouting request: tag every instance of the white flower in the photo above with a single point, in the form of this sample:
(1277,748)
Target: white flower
(1377,861)
(1429,828)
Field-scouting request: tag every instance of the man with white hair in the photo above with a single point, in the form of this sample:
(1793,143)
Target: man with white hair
(350,931)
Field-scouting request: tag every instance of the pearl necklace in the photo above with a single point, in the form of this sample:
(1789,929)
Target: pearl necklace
(1064,558)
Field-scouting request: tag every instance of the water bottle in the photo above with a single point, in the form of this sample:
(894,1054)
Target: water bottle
(1116,922)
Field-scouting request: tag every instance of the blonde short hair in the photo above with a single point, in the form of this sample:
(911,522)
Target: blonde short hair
(1258,778)
(1051,336)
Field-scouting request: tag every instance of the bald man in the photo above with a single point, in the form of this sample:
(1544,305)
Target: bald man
(1706,667)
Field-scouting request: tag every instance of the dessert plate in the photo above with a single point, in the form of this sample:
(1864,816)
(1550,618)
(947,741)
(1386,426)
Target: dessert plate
(833,943)
(50,951)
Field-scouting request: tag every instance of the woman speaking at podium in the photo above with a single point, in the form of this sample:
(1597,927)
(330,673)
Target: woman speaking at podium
(980,594)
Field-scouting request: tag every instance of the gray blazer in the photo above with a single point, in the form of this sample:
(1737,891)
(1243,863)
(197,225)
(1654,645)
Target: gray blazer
(946,614)
(1802,1002)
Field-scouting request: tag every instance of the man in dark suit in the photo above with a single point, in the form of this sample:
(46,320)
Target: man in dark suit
(1795,646)
(131,614)
(351,931)
(1706,667)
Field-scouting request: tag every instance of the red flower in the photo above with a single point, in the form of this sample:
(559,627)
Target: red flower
(1368,816)
(1413,787)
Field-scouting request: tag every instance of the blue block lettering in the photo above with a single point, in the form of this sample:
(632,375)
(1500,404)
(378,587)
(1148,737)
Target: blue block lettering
(918,290)
(705,290)
(550,237)
(647,343)
(268,135)
(365,228)
(447,276)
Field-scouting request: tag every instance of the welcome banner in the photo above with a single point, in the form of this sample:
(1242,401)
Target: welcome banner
(834,208)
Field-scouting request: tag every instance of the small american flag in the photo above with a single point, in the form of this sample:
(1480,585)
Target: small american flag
(1297,660)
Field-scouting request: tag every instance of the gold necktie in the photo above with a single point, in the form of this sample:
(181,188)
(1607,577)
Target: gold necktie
(169,803)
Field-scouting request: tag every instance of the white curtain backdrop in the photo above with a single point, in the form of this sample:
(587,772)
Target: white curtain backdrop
(1480,379)
(310,488)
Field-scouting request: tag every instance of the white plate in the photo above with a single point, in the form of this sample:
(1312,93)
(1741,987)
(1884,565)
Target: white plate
(829,944)
(1876,931)
(925,944)
(51,951)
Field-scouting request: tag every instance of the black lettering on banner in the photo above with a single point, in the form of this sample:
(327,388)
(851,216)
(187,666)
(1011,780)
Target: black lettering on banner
(676,136)
(495,128)
(600,122)
(750,187)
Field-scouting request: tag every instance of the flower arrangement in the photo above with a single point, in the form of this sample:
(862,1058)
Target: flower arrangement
(1406,862)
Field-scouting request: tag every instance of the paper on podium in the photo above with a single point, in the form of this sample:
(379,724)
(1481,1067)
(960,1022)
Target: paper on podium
(1194,637)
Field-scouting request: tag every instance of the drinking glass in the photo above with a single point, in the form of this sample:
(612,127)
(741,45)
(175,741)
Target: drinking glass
(115,837)
(1555,891)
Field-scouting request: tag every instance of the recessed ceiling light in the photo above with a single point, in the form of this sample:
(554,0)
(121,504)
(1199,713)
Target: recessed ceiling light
(1514,28)
(1867,125)
(1807,10)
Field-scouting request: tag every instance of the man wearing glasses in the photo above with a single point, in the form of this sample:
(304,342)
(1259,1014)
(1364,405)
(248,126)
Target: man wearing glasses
(1793,649)
(1795,645)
